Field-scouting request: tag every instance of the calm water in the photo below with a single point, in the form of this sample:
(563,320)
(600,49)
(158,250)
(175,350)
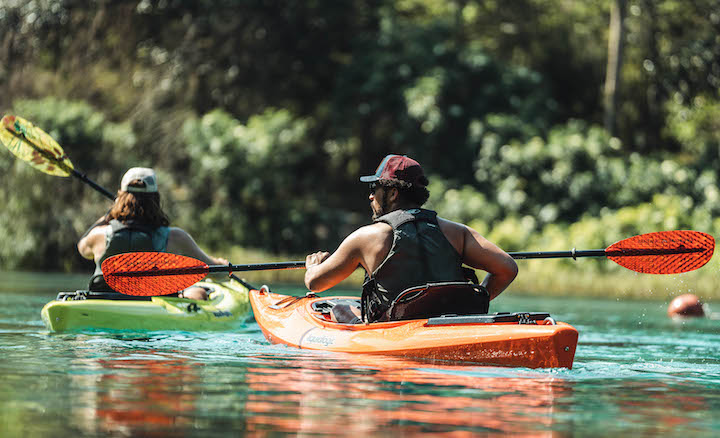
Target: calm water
(636,372)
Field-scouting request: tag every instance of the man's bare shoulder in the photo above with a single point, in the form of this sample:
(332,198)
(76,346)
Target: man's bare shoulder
(455,233)
(370,233)
(375,228)
(450,227)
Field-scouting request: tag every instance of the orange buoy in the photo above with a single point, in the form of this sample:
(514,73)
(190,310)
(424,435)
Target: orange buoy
(687,305)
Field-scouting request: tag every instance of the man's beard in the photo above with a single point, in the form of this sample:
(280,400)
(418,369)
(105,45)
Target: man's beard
(383,210)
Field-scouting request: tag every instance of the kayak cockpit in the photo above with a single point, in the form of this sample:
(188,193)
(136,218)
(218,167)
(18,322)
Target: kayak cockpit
(340,310)
(81,295)
(345,310)
(419,302)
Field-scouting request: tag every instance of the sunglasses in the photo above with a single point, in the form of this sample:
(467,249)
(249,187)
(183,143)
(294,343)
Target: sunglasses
(373,187)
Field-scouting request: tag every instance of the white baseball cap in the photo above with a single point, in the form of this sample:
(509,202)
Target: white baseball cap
(144,174)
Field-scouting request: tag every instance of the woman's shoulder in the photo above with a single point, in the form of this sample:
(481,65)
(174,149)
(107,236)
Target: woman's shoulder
(99,230)
(179,237)
(177,231)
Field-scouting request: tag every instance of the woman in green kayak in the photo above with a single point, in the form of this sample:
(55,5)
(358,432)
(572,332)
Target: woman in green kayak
(136,222)
(408,246)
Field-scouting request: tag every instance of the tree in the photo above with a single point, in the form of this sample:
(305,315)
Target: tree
(614,63)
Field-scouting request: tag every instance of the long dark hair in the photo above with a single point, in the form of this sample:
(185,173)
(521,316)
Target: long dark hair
(139,207)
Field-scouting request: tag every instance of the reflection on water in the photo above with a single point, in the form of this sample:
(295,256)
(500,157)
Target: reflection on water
(135,394)
(275,390)
(154,393)
(397,397)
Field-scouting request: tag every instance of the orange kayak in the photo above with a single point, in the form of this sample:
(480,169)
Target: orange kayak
(531,340)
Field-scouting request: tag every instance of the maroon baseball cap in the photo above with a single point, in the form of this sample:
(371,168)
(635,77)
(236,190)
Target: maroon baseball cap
(398,168)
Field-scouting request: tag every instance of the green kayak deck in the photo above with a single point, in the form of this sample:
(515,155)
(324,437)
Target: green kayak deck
(226,308)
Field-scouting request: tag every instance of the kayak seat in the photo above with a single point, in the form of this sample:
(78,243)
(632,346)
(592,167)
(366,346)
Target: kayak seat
(438,299)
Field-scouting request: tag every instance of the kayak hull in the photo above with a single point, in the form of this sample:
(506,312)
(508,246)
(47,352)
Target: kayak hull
(294,322)
(226,308)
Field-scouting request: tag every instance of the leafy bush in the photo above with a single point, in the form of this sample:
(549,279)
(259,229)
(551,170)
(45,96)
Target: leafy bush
(697,128)
(253,185)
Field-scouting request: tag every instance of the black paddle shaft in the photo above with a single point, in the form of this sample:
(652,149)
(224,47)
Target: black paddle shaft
(604,253)
(257,267)
(558,254)
(82,177)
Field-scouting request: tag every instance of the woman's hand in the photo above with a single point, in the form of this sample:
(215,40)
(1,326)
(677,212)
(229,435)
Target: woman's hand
(220,261)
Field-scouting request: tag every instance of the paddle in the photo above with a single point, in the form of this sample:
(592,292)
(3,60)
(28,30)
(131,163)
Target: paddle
(158,273)
(664,252)
(41,151)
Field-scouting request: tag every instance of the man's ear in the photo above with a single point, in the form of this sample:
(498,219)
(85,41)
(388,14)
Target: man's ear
(393,194)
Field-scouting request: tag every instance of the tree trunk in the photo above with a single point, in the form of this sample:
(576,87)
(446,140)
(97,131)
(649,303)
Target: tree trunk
(614,64)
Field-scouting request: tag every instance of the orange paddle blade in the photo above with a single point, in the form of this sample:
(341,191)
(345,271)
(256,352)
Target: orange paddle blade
(152,273)
(663,252)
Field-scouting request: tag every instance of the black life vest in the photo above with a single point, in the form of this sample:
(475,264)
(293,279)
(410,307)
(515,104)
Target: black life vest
(420,255)
(127,237)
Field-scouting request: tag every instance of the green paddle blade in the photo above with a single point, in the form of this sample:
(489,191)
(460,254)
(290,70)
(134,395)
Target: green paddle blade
(34,146)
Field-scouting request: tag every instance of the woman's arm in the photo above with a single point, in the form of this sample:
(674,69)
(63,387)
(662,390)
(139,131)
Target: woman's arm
(92,244)
(180,242)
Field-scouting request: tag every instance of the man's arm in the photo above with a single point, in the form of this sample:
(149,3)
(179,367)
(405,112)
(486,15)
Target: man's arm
(365,247)
(479,253)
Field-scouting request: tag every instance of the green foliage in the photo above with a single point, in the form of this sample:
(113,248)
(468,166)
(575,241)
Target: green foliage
(560,178)
(464,204)
(259,116)
(247,183)
(42,215)
(697,128)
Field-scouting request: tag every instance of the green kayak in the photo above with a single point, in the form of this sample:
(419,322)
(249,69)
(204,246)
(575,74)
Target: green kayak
(226,308)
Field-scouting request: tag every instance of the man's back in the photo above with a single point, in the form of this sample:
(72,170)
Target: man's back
(399,183)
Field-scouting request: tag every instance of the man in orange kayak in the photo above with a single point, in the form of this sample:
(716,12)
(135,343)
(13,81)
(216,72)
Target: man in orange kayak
(137,222)
(407,246)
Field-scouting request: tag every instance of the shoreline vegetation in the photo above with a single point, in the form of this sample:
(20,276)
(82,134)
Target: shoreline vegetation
(502,106)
